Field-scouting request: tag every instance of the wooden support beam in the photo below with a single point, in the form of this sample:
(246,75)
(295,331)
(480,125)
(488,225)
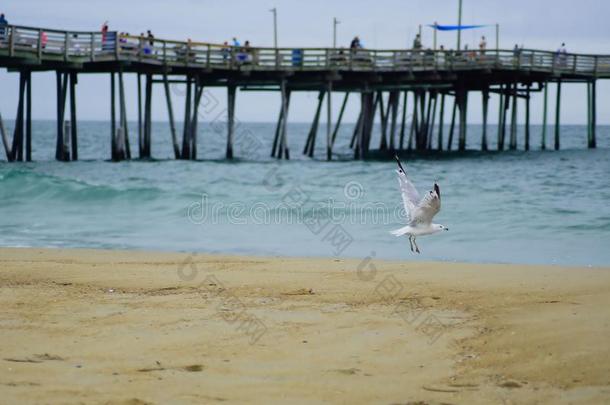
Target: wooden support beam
(433,119)
(124,146)
(170,112)
(393,105)
(441,124)
(421,142)
(414,118)
(452,125)
(558,115)
(383,115)
(28,119)
(369,122)
(73,121)
(329,143)
(513,120)
(231,93)
(339,118)
(592,140)
(5,141)
(356,128)
(403,121)
(505,106)
(527,119)
(195,119)
(485,95)
(186,132)
(284,152)
(501,100)
(113,142)
(360,127)
(463,107)
(544,117)
(278,130)
(61,153)
(59,145)
(148,116)
(17,148)
(140,129)
(313,131)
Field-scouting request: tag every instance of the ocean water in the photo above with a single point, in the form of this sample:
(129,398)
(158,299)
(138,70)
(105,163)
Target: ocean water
(512,207)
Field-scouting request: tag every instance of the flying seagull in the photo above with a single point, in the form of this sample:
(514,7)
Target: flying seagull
(420,210)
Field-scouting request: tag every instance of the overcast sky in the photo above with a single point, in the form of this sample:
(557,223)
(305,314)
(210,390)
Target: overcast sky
(540,24)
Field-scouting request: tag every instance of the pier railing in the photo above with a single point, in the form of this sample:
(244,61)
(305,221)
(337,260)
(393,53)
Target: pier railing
(85,47)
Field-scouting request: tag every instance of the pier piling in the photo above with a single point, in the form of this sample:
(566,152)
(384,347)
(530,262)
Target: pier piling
(463,107)
(557,115)
(429,135)
(527,118)
(172,123)
(62,90)
(113,141)
(329,144)
(441,124)
(339,118)
(513,119)
(231,95)
(73,122)
(393,102)
(124,145)
(485,96)
(310,143)
(147,135)
(592,141)
(5,141)
(452,125)
(544,117)
(403,122)
(186,130)
(284,152)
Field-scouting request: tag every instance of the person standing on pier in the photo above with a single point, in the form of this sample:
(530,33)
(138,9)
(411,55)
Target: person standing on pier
(482,45)
(417,42)
(104,31)
(3,22)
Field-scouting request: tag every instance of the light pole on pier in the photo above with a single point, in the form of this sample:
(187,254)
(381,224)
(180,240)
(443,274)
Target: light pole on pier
(335,23)
(459,28)
(274,11)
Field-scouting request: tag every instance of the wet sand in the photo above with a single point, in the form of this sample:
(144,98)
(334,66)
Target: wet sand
(119,327)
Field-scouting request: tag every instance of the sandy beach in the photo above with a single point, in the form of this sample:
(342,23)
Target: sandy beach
(121,327)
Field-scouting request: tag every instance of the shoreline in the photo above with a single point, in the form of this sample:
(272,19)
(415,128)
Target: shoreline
(122,326)
(412,259)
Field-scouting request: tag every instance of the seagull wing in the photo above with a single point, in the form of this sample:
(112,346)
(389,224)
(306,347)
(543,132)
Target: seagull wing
(410,196)
(428,207)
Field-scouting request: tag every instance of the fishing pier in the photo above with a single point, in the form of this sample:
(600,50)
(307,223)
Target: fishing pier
(380,81)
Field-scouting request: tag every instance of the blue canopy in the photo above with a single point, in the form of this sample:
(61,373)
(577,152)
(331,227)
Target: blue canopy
(454,27)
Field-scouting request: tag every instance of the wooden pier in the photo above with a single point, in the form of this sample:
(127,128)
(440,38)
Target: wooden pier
(376,79)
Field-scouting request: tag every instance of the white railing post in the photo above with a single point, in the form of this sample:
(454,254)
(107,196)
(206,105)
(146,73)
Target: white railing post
(92,45)
(39,45)
(66,45)
(117,45)
(11,44)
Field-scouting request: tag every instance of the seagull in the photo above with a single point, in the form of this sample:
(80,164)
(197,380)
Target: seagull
(420,210)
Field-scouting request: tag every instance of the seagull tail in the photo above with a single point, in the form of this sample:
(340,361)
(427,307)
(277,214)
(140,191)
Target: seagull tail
(402,231)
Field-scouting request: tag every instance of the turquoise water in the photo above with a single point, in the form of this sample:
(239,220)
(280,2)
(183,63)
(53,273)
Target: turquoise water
(512,207)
